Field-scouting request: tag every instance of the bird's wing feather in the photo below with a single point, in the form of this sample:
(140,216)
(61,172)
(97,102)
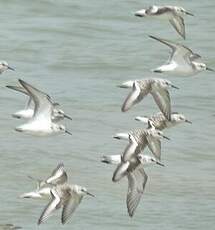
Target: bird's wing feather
(162,99)
(136,183)
(130,149)
(19,89)
(178,23)
(179,52)
(154,144)
(132,98)
(43,105)
(50,208)
(58,176)
(70,206)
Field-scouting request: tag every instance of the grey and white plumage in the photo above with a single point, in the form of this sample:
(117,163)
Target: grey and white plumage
(160,122)
(173,14)
(139,139)
(41,123)
(182,61)
(43,190)
(136,176)
(4,66)
(63,195)
(28,111)
(158,88)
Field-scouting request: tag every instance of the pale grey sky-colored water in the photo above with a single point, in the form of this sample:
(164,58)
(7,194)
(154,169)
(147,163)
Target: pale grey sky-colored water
(78,51)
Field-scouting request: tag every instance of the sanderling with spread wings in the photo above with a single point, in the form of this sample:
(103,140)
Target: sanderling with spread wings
(41,123)
(63,195)
(28,111)
(139,139)
(4,66)
(160,122)
(156,87)
(173,14)
(182,61)
(137,178)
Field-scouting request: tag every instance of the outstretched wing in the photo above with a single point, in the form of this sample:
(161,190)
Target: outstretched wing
(154,144)
(70,206)
(180,53)
(43,105)
(178,23)
(132,98)
(50,208)
(136,183)
(162,99)
(58,176)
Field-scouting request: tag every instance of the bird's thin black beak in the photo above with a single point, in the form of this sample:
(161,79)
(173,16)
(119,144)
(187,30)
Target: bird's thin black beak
(165,137)
(188,13)
(175,87)
(66,131)
(11,68)
(68,117)
(90,194)
(159,163)
(210,69)
(190,122)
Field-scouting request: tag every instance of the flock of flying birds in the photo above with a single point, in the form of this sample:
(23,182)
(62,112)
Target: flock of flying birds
(42,116)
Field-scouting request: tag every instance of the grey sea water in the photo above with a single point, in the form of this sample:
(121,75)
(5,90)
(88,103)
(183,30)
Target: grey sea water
(78,51)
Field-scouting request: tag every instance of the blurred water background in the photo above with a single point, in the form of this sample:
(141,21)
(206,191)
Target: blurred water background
(78,51)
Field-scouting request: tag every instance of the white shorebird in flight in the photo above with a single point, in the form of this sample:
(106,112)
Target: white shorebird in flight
(4,66)
(173,14)
(28,111)
(41,123)
(158,88)
(139,139)
(182,61)
(137,178)
(63,195)
(160,122)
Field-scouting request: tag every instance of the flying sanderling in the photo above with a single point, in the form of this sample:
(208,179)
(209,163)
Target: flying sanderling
(160,122)
(41,123)
(182,61)
(173,14)
(156,87)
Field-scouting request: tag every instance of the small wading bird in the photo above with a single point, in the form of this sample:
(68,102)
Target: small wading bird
(173,14)
(139,139)
(61,194)
(160,122)
(134,171)
(41,123)
(182,61)
(28,111)
(4,66)
(156,87)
